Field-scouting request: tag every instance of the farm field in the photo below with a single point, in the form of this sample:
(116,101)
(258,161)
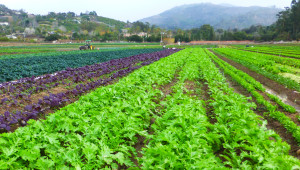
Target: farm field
(194,108)
(23,48)
(285,51)
(283,70)
(11,50)
(35,64)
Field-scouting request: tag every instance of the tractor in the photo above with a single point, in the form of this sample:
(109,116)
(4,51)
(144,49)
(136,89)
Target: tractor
(87,46)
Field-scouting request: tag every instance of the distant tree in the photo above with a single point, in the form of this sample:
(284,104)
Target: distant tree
(61,16)
(135,38)
(153,38)
(3,39)
(205,32)
(108,36)
(85,18)
(93,13)
(140,27)
(52,37)
(26,23)
(71,14)
(51,15)
(89,26)
(295,18)
(240,35)
(227,36)
(288,22)
(220,31)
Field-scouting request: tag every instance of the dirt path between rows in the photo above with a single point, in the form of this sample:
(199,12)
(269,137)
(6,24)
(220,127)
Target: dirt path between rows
(281,90)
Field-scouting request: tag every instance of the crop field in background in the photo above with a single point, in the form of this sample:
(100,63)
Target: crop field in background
(141,106)
(19,48)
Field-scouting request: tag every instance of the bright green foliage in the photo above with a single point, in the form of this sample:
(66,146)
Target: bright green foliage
(246,144)
(181,139)
(100,129)
(246,81)
(290,51)
(267,65)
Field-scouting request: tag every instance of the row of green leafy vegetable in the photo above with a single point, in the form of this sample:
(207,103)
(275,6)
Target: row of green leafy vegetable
(270,66)
(293,48)
(275,51)
(255,88)
(101,129)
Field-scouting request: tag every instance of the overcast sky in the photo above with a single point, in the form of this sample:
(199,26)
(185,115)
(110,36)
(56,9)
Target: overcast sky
(124,10)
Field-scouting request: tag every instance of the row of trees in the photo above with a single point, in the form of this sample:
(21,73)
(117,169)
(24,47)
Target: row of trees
(288,23)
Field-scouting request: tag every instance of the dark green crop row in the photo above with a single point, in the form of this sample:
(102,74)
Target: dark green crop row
(16,68)
(56,53)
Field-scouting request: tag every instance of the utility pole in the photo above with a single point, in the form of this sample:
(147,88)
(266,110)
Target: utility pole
(161,36)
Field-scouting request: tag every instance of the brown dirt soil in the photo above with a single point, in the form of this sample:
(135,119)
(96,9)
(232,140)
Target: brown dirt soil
(141,143)
(292,95)
(203,95)
(206,97)
(167,89)
(272,124)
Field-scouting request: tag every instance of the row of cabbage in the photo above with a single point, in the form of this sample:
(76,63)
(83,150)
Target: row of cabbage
(39,64)
(102,128)
(285,71)
(20,106)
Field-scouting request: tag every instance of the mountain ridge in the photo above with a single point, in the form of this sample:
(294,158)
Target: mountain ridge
(219,16)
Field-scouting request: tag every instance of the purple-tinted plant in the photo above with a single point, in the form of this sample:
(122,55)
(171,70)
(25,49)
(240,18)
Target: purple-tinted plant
(119,68)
